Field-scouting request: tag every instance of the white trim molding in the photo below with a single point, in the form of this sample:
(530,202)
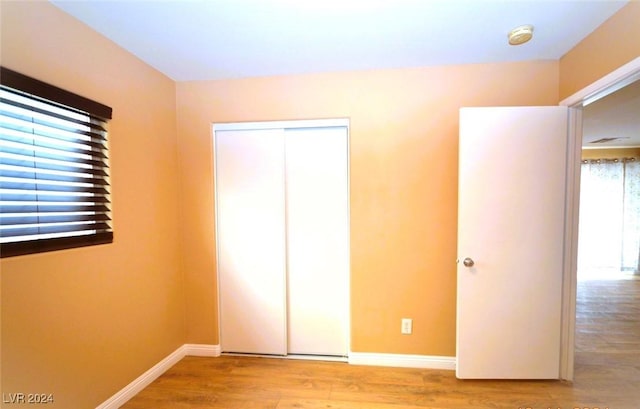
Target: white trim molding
(122,396)
(202,350)
(403,361)
(296,123)
(616,79)
(141,382)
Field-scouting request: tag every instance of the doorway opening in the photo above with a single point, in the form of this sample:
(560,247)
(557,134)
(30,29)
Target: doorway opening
(608,280)
(609,229)
(602,298)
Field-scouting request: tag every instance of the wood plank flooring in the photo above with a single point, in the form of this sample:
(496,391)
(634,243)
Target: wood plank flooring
(607,374)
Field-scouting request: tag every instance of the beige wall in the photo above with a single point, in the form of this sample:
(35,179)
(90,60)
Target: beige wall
(83,323)
(613,44)
(404,141)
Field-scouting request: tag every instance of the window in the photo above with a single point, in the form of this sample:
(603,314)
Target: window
(54,171)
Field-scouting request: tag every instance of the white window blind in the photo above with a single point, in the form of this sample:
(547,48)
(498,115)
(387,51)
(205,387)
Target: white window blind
(54,168)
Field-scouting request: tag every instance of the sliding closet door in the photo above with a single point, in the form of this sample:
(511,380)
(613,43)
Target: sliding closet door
(251,240)
(317,240)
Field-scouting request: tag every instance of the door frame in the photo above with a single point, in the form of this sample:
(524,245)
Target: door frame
(606,85)
(284,124)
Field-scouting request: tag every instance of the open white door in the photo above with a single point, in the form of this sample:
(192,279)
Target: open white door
(511,221)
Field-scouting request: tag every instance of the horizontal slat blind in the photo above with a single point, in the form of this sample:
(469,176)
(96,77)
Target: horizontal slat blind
(54,174)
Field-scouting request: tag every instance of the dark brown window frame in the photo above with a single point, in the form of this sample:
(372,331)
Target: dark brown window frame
(97,211)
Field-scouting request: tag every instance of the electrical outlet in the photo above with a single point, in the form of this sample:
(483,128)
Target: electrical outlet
(407,324)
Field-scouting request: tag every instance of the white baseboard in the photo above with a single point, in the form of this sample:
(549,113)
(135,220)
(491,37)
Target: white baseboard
(132,389)
(202,350)
(355,358)
(403,361)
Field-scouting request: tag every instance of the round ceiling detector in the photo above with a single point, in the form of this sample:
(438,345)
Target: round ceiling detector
(520,35)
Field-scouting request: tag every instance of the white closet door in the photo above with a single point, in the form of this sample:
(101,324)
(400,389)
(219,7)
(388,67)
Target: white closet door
(317,240)
(251,240)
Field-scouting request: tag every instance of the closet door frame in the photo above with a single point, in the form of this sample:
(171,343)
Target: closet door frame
(283,125)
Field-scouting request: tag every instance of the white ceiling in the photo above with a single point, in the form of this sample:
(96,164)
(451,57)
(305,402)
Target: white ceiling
(217,39)
(615,116)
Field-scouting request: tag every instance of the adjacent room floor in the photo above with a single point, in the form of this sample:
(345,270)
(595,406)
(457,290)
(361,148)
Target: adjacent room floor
(607,373)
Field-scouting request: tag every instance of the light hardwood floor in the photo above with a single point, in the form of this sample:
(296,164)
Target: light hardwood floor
(607,374)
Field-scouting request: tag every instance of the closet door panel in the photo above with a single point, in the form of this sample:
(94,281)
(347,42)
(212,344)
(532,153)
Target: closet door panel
(251,240)
(317,240)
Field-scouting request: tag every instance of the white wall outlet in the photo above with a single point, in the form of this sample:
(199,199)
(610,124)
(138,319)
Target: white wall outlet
(407,326)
